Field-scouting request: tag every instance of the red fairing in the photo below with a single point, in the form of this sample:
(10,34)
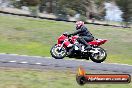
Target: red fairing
(98,42)
(67,43)
(74,38)
(61,39)
(64,39)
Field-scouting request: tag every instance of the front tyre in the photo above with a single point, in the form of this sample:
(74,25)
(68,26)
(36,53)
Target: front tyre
(57,53)
(100,56)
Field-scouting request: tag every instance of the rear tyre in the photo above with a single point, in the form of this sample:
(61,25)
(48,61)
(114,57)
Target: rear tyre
(98,57)
(56,53)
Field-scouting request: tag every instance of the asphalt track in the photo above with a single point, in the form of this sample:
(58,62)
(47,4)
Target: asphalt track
(37,62)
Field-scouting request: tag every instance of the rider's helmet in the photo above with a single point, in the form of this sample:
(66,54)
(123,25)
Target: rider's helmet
(79,24)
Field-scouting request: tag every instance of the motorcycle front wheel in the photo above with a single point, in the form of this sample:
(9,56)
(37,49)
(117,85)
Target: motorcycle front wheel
(57,53)
(100,56)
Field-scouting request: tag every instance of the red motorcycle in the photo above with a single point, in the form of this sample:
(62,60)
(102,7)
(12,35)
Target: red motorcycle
(70,47)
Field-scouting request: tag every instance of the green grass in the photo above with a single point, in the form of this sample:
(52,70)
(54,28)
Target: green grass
(35,37)
(24,78)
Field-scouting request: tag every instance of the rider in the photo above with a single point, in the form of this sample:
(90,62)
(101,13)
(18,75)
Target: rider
(84,35)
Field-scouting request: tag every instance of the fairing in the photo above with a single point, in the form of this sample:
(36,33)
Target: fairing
(64,39)
(98,42)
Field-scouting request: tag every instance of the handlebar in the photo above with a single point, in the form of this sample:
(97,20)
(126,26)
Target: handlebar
(66,34)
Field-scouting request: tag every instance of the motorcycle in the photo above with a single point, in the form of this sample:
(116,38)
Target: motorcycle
(68,46)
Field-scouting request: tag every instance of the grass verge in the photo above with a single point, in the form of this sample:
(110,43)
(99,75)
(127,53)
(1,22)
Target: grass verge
(25,78)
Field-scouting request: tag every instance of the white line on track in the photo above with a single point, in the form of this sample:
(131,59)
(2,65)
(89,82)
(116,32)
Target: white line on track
(24,62)
(38,63)
(118,64)
(12,61)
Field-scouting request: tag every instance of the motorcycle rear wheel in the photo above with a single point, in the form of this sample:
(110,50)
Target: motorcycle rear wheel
(97,57)
(56,53)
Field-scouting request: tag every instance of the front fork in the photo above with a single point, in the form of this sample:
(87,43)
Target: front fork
(60,48)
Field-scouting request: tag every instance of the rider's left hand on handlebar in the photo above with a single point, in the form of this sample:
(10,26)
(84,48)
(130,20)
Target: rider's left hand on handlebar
(69,35)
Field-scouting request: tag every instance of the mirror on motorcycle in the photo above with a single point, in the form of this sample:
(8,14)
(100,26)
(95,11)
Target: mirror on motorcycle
(66,33)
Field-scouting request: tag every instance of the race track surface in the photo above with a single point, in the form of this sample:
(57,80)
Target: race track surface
(36,62)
